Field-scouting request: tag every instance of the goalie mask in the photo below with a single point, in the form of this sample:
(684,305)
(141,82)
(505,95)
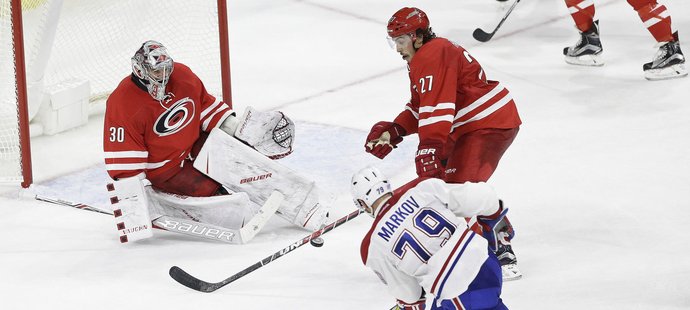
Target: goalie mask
(367,186)
(153,65)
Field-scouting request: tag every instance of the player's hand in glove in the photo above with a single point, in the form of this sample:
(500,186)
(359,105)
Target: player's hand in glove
(428,160)
(383,138)
(401,305)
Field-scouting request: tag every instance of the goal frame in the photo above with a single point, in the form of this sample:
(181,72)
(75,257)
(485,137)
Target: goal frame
(21,78)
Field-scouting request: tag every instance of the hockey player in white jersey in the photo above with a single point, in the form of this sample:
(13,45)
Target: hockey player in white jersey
(420,242)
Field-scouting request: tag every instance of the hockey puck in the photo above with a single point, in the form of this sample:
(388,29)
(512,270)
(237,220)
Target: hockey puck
(317,242)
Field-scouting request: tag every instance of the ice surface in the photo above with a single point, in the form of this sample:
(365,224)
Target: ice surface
(597,180)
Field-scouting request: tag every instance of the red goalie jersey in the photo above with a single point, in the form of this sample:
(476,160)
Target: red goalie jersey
(144,136)
(451,96)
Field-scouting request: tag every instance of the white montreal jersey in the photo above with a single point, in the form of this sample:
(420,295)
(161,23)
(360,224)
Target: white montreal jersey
(418,242)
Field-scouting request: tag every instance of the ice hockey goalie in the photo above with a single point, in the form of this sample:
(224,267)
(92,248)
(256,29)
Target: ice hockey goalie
(163,129)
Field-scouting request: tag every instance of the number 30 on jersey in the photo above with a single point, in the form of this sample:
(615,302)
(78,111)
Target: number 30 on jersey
(117,134)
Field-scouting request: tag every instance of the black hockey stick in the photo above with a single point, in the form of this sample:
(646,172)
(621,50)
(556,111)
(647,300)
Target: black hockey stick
(482,36)
(194,283)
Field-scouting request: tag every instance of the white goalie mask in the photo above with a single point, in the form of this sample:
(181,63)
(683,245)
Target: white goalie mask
(153,65)
(367,186)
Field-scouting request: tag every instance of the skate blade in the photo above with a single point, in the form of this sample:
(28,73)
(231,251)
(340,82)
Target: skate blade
(511,272)
(594,60)
(672,72)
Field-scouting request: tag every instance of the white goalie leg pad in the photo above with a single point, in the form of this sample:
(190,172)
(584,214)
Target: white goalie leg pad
(228,218)
(131,209)
(242,169)
(271,133)
(229,211)
(193,228)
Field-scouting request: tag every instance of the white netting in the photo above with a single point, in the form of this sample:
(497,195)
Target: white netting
(94,40)
(109,32)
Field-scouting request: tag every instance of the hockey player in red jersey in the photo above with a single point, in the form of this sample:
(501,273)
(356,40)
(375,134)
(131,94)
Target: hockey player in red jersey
(154,118)
(419,242)
(669,61)
(161,118)
(465,122)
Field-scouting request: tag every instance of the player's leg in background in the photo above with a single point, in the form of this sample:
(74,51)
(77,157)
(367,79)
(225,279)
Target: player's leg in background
(474,158)
(655,17)
(669,61)
(587,50)
(582,12)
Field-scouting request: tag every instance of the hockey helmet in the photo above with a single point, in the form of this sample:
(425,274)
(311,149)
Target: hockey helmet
(367,186)
(153,65)
(407,20)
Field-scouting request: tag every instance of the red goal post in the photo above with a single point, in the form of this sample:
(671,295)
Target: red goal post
(49,46)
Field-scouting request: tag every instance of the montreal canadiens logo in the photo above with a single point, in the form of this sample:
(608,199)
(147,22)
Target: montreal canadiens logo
(179,115)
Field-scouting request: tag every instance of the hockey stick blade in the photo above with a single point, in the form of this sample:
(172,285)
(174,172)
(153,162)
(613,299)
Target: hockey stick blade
(184,278)
(259,220)
(190,281)
(481,35)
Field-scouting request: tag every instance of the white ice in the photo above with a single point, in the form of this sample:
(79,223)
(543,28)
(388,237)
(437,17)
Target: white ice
(597,180)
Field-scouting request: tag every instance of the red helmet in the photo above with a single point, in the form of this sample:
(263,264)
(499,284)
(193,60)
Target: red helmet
(407,20)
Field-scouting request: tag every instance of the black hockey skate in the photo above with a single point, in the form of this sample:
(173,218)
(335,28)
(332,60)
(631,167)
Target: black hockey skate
(587,51)
(668,63)
(507,258)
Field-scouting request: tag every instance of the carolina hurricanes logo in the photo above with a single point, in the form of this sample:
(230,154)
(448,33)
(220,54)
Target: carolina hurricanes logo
(179,115)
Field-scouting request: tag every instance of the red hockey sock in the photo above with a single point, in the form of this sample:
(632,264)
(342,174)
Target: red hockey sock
(657,20)
(582,12)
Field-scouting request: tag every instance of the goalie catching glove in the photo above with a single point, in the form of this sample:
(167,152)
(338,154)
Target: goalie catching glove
(270,133)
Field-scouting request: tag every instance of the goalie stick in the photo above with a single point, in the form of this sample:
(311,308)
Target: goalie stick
(482,36)
(183,226)
(194,283)
(79,206)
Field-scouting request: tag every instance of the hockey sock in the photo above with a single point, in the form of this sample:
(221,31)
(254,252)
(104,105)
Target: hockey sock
(656,18)
(582,12)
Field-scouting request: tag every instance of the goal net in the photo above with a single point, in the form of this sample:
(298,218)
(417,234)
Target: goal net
(90,42)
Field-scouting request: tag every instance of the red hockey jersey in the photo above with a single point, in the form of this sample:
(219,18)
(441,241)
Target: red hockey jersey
(451,95)
(144,136)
